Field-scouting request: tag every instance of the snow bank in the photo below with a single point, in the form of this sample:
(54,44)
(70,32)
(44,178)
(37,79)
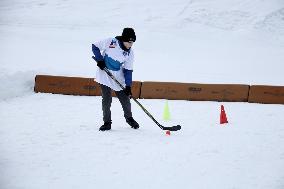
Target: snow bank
(16,84)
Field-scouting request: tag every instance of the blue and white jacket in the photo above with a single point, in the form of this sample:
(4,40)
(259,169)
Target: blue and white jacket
(118,59)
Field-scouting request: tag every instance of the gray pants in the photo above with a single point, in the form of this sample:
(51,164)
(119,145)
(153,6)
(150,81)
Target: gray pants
(107,99)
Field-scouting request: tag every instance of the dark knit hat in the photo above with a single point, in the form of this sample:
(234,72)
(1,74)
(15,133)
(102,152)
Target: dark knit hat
(128,34)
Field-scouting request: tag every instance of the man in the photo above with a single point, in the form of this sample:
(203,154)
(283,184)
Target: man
(117,56)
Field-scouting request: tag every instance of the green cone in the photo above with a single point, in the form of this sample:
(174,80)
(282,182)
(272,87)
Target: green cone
(166,114)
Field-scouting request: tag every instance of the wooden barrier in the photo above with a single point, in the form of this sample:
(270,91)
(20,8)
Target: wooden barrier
(219,92)
(266,94)
(62,85)
(193,91)
(166,90)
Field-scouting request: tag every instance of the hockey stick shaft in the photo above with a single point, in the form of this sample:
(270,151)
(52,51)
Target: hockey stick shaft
(137,102)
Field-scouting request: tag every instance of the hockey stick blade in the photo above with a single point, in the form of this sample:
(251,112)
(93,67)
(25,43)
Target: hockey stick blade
(173,128)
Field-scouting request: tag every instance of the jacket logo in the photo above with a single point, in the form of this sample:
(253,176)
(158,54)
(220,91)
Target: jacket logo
(112,44)
(125,53)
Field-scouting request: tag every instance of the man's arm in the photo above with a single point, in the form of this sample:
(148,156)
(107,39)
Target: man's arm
(100,46)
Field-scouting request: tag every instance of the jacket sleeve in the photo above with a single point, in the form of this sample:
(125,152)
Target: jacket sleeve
(128,69)
(100,46)
(128,77)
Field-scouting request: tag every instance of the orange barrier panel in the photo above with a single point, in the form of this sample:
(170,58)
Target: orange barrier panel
(219,92)
(193,91)
(62,85)
(164,90)
(74,86)
(95,89)
(266,94)
(136,89)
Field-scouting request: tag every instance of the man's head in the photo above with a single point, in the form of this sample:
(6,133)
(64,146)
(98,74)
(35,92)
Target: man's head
(128,37)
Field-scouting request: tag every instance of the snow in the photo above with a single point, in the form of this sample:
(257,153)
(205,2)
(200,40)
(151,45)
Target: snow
(52,141)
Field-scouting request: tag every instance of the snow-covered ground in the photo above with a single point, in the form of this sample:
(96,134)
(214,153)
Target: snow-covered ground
(52,141)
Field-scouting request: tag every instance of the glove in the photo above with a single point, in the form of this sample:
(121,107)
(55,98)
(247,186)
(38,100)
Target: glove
(101,64)
(127,90)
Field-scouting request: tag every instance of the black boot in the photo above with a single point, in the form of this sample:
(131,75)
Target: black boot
(132,123)
(106,126)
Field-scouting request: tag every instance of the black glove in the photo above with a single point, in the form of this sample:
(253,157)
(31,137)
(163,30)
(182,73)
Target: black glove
(127,90)
(101,64)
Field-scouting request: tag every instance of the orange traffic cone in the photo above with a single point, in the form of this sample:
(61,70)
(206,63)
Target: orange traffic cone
(223,117)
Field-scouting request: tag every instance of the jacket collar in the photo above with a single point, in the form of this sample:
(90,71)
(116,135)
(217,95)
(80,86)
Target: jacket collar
(119,38)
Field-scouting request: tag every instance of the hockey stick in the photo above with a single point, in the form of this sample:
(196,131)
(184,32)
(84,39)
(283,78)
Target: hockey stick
(173,128)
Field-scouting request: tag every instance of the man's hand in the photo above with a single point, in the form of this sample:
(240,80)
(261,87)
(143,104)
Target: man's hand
(101,64)
(127,90)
